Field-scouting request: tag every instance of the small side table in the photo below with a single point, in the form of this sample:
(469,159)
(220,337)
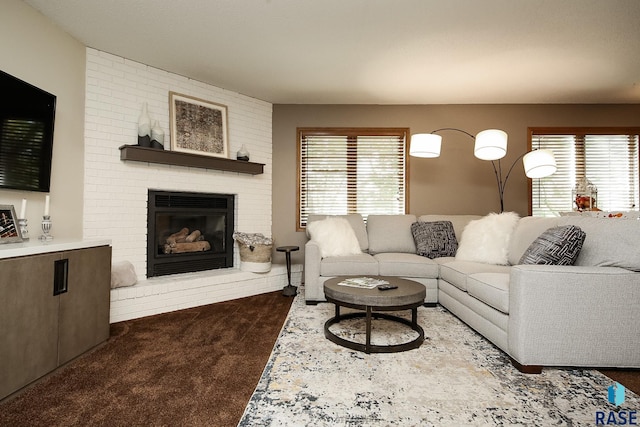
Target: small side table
(289,290)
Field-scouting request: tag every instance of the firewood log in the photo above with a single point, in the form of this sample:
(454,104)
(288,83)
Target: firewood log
(180,248)
(194,236)
(180,236)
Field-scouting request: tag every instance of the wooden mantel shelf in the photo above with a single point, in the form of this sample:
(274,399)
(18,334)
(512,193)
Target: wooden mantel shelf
(151,155)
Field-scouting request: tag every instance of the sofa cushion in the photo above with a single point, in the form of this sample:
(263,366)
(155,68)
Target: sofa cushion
(356,221)
(335,236)
(490,288)
(444,260)
(528,230)
(434,239)
(362,264)
(556,246)
(487,239)
(456,272)
(459,221)
(390,233)
(406,265)
(609,242)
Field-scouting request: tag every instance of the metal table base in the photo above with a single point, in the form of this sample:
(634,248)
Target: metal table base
(368,314)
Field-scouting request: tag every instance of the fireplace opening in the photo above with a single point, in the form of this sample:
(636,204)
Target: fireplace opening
(189,232)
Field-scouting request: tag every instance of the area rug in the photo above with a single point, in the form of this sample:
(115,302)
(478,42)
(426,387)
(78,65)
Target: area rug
(455,378)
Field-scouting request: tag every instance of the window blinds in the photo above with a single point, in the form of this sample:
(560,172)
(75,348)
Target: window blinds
(361,171)
(609,161)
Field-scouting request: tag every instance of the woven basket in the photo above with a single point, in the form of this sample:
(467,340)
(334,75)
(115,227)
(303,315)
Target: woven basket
(258,253)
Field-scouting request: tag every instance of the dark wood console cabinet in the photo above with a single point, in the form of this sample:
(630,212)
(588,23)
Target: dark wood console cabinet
(42,328)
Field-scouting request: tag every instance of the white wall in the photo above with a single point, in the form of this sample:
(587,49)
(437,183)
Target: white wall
(35,50)
(115,196)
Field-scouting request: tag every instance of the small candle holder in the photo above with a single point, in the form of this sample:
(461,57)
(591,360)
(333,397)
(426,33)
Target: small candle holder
(46,229)
(24,231)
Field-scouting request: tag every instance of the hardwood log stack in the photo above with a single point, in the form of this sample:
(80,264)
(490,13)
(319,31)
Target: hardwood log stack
(184,241)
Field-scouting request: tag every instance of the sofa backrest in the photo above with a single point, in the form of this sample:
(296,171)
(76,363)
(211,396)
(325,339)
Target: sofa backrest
(527,230)
(357,223)
(608,242)
(459,221)
(390,233)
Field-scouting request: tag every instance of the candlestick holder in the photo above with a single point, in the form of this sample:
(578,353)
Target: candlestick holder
(46,229)
(24,231)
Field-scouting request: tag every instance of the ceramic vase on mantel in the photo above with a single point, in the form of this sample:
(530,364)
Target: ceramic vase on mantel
(144,127)
(242,154)
(157,136)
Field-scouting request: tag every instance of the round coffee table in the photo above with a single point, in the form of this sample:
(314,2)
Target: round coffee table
(408,296)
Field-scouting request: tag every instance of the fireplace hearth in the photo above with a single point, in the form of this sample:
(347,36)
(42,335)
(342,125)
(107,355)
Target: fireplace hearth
(189,232)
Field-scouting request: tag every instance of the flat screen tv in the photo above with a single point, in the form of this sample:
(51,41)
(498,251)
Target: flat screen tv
(27,116)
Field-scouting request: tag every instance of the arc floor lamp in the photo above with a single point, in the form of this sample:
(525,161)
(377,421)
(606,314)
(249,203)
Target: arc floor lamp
(490,144)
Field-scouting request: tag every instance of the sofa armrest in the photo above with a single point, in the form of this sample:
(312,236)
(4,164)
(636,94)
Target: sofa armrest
(312,259)
(312,288)
(574,316)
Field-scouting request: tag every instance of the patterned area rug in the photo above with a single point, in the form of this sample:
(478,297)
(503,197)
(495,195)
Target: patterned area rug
(455,378)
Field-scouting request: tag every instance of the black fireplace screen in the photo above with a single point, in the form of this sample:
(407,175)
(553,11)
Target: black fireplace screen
(189,232)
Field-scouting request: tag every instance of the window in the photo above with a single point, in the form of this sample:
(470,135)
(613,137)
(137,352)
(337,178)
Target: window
(342,171)
(607,157)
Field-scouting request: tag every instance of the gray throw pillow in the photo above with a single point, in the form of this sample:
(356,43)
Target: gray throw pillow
(556,246)
(434,239)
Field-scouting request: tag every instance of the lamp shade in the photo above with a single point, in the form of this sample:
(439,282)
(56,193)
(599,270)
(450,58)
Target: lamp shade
(539,163)
(425,145)
(491,144)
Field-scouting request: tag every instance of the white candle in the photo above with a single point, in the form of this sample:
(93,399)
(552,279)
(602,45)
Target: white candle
(23,209)
(46,206)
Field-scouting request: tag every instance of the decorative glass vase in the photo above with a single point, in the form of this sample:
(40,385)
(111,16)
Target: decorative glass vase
(242,154)
(144,127)
(157,136)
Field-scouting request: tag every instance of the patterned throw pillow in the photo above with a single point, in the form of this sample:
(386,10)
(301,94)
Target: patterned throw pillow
(434,239)
(556,246)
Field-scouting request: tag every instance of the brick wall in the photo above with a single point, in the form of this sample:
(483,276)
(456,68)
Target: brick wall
(115,193)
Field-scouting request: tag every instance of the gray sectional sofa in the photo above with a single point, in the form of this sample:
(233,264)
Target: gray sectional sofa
(584,315)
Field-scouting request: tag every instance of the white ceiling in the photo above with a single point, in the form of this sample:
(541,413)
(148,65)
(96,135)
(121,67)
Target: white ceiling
(376,51)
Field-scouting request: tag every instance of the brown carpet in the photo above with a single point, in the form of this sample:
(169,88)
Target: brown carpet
(195,367)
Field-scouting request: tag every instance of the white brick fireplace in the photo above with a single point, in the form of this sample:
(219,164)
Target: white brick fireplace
(115,192)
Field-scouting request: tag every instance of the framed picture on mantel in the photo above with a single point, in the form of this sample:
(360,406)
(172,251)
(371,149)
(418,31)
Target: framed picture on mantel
(9,230)
(198,126)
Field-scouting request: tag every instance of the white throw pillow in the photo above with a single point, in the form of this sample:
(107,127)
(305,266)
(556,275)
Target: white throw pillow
(335,236)
(487,239)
